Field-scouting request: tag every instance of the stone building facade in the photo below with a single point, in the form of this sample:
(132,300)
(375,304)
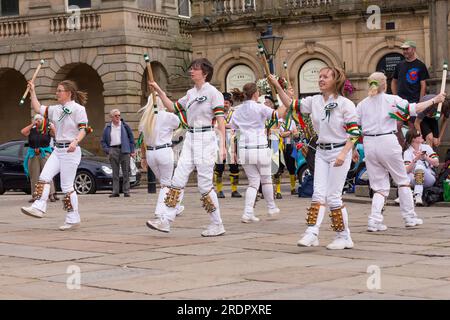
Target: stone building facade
(349,34)
(100,46)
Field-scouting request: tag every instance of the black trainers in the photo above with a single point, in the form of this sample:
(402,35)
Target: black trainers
(236,194)
(114,195)
(278,196)
(126,195)
(220,194)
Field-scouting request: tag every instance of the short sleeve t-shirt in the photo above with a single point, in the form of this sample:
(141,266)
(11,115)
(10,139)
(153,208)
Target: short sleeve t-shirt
(409,75)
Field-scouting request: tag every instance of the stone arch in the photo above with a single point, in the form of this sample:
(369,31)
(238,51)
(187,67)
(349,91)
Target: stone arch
(228,61)
(88,80)
(370,58)
(296,60)
(12,86)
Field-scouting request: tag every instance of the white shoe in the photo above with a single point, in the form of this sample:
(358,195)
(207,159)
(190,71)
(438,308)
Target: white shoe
(418,200)
(308,240)
(376,227)
(32,212)
(397,200)
(340,243)
(412,222)
(159,225)
(246,218)
(180,211)
(213,230)
(272,212)
(67,226)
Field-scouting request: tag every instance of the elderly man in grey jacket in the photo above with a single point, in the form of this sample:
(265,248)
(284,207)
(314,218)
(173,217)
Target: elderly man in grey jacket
(118,143)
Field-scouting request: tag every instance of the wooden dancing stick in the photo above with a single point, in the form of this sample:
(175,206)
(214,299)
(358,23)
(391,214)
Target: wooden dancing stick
(151,79)
(267,71)
(22,101)
(443,83)
(285,66)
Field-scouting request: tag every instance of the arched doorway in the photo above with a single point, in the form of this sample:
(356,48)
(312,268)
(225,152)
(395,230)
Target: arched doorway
(160,76)
(14,117)
(89,81)
(238,76)
(387,65)
(308,77)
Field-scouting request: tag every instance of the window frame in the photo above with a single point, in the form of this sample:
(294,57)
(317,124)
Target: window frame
(189,8)
(81,9)
(10,15)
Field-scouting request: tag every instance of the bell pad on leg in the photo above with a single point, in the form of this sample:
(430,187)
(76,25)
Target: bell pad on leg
(172,197)
(337,220)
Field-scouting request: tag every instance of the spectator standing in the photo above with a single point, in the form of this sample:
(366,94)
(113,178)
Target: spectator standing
(118,143)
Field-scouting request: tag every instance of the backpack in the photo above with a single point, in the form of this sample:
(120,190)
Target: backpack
(432,195)
(307,187)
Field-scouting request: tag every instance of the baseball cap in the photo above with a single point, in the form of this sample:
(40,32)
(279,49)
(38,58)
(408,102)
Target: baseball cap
(408,44)
(227,96)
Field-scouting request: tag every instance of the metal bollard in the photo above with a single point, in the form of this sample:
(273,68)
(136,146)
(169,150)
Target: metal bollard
(151,181)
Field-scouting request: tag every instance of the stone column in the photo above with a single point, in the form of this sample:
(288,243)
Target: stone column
(439,53)
(439,36)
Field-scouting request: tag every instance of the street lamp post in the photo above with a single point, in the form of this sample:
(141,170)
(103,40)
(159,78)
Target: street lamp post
(270,43)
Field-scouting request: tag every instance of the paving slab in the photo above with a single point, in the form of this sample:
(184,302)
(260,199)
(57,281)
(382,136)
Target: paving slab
(120,258)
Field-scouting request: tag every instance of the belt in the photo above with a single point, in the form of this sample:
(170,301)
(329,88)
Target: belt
(261,146)
(379,134)
(200,129)
(62,144)
(167,145)
(117,146)
(330,146)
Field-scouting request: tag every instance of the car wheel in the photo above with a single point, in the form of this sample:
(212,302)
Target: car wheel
(2,190)
(302,172)
(84,183)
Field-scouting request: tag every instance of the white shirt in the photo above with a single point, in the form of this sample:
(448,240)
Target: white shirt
(250,119)
(115,134)
(373,113)
(408,155)
(200,104)
(329,129)
(66,124)
(165,123)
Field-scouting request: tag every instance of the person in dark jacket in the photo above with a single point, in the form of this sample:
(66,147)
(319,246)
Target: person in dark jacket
(118,143)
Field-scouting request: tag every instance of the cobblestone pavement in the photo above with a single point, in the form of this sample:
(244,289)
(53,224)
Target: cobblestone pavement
(120,258)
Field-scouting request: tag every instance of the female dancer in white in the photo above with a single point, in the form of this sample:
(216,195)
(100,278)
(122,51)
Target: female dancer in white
(334,119)
(254,153)
(196,111)
(71,122)
(157,126)
(378,115)
(420,160)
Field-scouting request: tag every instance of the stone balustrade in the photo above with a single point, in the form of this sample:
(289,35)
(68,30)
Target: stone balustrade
(73,23)
(13,28)
(152,23)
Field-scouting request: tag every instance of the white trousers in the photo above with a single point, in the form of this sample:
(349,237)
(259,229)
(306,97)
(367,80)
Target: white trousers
(329,180)
(199,152)
(257,167)
(428,181)
(161,163)
(383,157)
(65,163)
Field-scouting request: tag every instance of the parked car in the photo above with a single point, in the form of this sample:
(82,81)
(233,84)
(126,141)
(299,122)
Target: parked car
(94,173)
